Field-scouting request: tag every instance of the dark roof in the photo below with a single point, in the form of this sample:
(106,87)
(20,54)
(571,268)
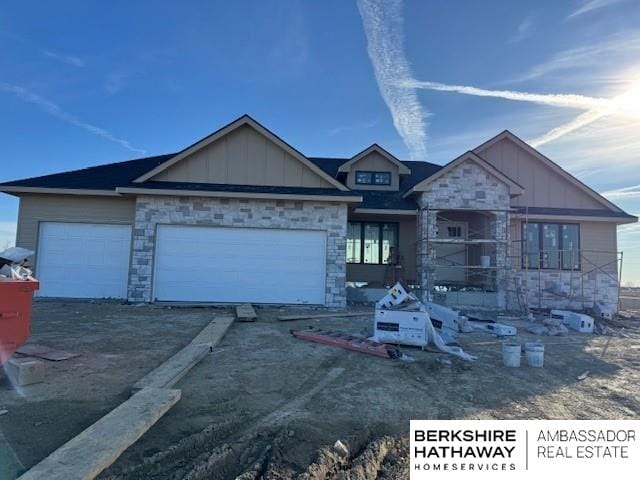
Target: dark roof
(574,212)
(419,170)
(101,177)
(110,176)
(385,200)
(220,187)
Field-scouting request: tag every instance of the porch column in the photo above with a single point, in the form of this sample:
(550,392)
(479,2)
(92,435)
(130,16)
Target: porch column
(427,229)
(501,232)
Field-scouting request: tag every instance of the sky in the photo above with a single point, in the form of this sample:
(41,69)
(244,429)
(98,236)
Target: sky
(88,82)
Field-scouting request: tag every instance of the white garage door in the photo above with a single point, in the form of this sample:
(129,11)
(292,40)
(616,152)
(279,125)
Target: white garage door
(83,260)
(217,264)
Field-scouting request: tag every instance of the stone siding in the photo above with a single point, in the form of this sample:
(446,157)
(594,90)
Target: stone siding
(468,186)
(564,290)
(286,214)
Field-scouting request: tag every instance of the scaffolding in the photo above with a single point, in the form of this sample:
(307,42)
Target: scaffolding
(511,275)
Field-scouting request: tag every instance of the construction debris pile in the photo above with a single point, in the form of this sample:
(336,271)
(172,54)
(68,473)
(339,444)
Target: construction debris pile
(401,318)
(13,263)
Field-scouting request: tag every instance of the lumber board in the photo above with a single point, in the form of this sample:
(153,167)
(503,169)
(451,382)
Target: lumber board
(170,372)
(246,313)
(89,453)
(213,333)
(287,318)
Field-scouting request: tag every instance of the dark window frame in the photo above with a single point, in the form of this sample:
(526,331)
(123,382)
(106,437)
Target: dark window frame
(372,177)
(362,223)
(524,253)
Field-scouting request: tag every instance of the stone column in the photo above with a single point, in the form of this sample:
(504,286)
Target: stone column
(427,229)
(500,229)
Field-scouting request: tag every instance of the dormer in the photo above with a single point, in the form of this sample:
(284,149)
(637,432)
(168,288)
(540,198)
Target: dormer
(373,169)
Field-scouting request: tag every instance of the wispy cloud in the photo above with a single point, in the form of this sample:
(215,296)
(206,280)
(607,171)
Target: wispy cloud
(626,192)
(115,82)
(618,46)
(590,5)
(64,58)
(53,109)
(524,30)
(383,27)
(350,128)
(580,121)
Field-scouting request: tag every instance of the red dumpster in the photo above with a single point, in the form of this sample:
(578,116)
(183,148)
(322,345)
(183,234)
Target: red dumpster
(15,314)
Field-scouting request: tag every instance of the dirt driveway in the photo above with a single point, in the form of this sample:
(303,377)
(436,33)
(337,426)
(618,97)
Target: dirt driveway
(264,399)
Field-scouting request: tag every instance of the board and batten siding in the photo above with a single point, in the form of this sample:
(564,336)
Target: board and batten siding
(36,208)
(543,187)
(376,163)
(598,241)
(243,157)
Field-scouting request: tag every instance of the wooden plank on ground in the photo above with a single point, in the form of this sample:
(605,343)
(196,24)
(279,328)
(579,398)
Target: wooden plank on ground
(171,371)
(89,453)
(245,313)
(214,332)
(287,318)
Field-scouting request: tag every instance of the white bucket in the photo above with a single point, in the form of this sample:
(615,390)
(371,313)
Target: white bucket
(485,261)
(511,354)
(534,354)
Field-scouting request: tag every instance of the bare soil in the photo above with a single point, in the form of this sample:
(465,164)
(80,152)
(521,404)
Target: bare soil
(267,405)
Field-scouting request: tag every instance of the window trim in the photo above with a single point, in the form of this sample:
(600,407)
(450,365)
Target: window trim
(372,176)
(524,253)
(362,223)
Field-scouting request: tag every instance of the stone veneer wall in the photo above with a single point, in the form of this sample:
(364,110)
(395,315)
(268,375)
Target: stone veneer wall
(468,186)
(564,289)
(288,214)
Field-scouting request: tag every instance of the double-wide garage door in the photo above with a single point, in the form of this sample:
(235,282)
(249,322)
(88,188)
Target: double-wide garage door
(83,260)
(198,264)
(218,264)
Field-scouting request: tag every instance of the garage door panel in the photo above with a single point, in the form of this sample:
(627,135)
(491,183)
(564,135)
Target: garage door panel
(215,264)
(81,260)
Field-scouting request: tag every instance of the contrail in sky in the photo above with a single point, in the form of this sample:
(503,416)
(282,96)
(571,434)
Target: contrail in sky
(55,110)
(596,107)
(383,27)
(557,100)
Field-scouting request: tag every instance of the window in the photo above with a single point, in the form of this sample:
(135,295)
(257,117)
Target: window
(382,178)
(454,232)
(371,242)
(570,236)
(551,246)
(364,178)
(373,178)
(354,243)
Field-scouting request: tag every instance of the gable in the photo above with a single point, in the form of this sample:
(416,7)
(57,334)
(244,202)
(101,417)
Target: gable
(545,184)
(485,175)
(373,162)
(380,153)
(466,184)
(243,157)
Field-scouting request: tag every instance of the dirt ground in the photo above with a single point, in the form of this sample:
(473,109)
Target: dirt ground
(265,404)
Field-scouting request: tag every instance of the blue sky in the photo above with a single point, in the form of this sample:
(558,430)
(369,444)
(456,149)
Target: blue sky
(89,82)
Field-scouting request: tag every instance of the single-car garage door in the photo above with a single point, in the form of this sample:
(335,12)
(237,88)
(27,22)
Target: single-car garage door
(83,260)
(219,264)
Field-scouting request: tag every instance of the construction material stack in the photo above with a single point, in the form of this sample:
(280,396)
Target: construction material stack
(401,318)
